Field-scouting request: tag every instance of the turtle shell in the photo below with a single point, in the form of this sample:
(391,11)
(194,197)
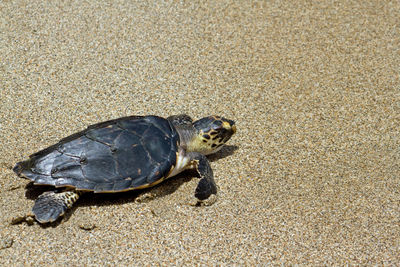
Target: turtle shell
(112,156)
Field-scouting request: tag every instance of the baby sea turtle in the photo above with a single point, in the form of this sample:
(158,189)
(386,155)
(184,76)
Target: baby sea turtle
(124,154)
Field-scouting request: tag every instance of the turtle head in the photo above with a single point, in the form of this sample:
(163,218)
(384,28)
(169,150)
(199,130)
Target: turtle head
(211,134)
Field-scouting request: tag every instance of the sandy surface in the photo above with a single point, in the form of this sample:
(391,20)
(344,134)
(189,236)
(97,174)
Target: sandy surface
(311,177)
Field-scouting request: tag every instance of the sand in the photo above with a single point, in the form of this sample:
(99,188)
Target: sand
(310,178)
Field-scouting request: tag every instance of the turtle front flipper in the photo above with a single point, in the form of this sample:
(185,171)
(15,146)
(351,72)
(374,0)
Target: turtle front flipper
(49,206)
(206,186)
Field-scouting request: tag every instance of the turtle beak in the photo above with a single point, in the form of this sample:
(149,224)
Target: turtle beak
(232,125)
(229,125)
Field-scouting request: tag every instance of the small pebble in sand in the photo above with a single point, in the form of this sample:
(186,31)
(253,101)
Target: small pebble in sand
(6,242)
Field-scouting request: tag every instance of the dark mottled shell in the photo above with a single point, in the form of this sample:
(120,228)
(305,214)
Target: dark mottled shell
(111,156)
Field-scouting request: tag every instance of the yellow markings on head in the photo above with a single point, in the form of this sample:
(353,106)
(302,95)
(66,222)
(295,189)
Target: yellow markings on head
(204,142)
(226,125)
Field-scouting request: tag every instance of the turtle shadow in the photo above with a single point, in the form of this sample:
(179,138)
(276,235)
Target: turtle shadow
(107,199)
(161,190)
(225,151)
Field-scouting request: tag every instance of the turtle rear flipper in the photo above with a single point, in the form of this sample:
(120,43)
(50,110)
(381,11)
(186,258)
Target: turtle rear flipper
(49,206)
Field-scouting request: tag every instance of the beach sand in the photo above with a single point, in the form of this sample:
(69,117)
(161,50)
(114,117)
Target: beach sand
(311,176)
